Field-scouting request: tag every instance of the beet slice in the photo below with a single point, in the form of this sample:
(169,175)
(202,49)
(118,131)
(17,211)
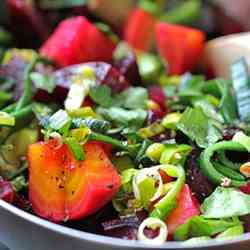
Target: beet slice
(104,72)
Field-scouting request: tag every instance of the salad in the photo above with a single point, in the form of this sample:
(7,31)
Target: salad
(110,124)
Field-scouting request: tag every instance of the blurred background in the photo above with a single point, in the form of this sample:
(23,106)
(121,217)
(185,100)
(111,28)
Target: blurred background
(27,23)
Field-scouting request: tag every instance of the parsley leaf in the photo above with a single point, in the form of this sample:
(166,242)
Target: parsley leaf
(101,95)
(42,81)
(133,98)
(226,203)
(122,117)
(199,128)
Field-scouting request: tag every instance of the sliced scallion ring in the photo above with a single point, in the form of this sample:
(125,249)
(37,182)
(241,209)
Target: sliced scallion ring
(153,223)
(56,136)
(152,172)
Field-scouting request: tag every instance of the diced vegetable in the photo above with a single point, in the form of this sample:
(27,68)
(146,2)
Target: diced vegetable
(187,207)
(76,40)
(139,29)
(180,47)
(63,188)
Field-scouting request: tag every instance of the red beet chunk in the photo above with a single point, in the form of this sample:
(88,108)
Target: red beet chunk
(6,191)
(76,40)
(104,72)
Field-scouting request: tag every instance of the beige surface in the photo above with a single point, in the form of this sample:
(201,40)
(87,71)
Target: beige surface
(220,53)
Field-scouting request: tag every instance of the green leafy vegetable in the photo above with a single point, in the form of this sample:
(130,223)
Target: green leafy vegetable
(101,95)
(19,183)
(207,108)
(42,81)
(131,98)
(227,105)
(232,232)
(198,127)
(59,120)
(199,226)
(191,84)
(243,139)
(134,98)
(226,203)
(122,117)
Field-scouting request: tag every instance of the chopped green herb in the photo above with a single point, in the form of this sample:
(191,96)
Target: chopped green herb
(226,203)
(59,120)
(42,81)
(198,127)
(76,148)
(101,95)
(199,227)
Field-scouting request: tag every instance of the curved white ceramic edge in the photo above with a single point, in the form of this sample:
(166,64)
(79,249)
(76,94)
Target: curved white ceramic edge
(109,241)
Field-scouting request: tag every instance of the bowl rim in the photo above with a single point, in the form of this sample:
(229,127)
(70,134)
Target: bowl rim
(110,241)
